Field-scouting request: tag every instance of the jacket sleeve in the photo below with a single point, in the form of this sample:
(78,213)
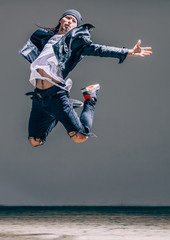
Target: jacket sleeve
(35,44)
(105,51)
(29,51)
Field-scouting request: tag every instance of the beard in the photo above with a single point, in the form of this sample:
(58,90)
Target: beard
(65,28)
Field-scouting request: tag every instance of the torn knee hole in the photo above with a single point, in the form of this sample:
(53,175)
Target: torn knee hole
(79,138)
(35,142)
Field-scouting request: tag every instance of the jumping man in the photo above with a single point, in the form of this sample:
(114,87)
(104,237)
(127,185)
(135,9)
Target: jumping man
(53,53)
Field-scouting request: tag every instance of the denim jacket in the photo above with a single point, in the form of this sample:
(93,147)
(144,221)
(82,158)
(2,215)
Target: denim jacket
(71,48)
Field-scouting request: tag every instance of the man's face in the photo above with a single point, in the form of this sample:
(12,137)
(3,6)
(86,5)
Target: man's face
(67,23)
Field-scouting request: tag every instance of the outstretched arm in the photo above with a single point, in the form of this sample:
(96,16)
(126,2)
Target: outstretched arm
(139,51)
(121,53)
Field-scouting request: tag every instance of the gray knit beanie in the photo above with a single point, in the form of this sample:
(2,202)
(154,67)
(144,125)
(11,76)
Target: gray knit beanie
(74,13)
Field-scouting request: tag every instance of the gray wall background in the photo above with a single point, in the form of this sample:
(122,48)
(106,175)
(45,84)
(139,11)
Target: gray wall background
(129,162)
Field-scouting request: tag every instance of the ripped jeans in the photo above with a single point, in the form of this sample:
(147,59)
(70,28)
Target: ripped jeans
(53,105)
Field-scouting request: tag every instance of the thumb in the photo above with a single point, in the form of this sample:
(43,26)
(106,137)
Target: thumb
(138,44)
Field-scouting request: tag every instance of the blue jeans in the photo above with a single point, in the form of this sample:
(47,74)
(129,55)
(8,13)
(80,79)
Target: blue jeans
(53,105)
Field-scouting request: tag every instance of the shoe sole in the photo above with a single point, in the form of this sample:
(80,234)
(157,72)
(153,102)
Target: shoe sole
(77,103)
(91,88)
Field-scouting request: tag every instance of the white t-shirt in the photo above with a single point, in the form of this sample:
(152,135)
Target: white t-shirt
(48,62)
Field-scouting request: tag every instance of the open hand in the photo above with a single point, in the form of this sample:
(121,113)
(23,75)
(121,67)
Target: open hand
(139,51)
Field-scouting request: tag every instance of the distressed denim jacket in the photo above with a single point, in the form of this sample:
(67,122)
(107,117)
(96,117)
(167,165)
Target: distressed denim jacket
(71,48)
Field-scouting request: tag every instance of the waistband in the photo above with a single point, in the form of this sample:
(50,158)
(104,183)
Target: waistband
(51,90)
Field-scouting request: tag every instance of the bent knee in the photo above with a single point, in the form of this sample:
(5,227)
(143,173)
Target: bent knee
(78,138)
(35,142)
